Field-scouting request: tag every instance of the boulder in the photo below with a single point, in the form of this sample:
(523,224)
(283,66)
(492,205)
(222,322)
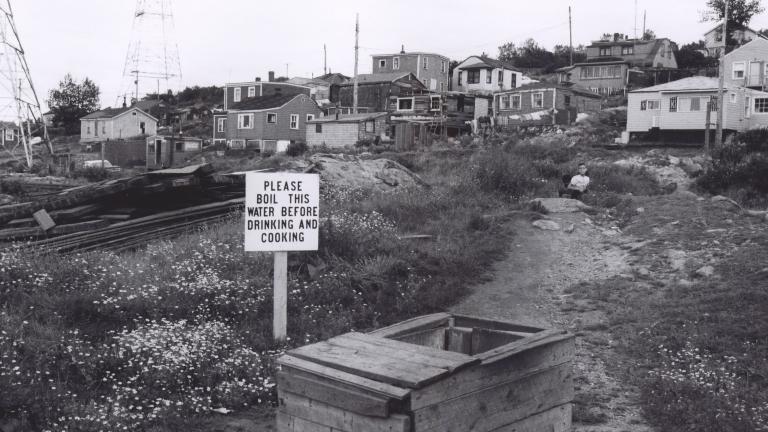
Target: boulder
(562,205)
(705,272)
(546,225)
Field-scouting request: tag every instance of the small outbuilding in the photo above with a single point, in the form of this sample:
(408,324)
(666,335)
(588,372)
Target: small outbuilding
(347,130)
(170,151)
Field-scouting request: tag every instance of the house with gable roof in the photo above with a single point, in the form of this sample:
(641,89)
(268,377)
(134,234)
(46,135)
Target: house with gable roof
(116,124)
(269,123)
(430,68)
(374,90)
(747,65)
(713,38)
(484,75)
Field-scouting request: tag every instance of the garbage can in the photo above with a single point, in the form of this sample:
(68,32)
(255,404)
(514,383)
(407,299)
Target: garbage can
(435,373)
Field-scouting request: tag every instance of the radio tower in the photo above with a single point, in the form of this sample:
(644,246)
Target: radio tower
(18,100)
(153,56)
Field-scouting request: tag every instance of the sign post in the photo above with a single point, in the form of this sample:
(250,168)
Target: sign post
(281,215)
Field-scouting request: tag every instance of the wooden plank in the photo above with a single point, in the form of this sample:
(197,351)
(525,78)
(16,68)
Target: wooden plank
(376,387)
(324,414)
(497,406)
(75,212)
(370,364)
(338,395)
(512,348)
(485,339)
(43,219)
(21,223)
(114,217)
(407,351)
(289,423)
(486,375)
(557,419)
(413,325)
(494,324)
(459,339)
(198,170)
(434,337)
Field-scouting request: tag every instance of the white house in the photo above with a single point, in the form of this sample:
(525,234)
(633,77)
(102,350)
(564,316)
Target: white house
(681,105)
(116,123)
(713,39)
(484,75)
(747,65)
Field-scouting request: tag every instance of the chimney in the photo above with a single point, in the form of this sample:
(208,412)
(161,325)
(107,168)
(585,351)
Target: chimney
(402,49)
(271,76)
(124,104)
(258,79)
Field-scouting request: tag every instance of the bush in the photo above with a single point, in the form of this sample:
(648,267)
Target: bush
(93,174)
(296,148)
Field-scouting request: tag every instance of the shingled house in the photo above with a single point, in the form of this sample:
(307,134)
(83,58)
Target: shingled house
(543,103)
(374,90)
(116,123)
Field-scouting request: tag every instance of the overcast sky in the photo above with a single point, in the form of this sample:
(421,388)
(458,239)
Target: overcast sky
(238,40)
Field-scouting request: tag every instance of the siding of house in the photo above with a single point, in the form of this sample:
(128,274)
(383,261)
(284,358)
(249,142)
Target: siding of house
(374,96)
(123,126)
(280,130)
(602,86)
(261,88)
(482,86)
(334,135)
(713,44)
(435,74)
(754,55)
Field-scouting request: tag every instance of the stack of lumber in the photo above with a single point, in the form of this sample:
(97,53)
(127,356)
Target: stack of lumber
(436,373)
(123,213)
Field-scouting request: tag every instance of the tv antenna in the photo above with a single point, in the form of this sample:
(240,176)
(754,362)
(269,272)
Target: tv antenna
(19,104)
(153,55)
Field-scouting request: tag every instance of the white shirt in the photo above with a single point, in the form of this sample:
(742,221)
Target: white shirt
(579,182)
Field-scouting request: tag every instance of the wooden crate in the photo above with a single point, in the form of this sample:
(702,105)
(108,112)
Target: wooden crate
(435,373)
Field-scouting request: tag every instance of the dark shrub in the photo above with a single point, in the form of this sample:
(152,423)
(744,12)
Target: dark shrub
(296,148)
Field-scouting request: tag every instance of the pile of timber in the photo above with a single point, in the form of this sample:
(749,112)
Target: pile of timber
(123,213)
(435,373)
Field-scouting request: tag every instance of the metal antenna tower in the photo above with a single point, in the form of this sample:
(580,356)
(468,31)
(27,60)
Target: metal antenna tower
(18,100)
(153,54)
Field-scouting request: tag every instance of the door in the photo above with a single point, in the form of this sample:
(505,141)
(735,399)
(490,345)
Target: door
(158,152)
(656,120)
(755,68)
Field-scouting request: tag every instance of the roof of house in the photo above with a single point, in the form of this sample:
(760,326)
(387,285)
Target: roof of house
(408,53)
(548,85)
(349,118)
(486,62)
(720,26)
(386,77)
(307,81)
(759,39)
(264,102)
(333,76)
(7,124)
(658,43)
(696,83)
(113,112)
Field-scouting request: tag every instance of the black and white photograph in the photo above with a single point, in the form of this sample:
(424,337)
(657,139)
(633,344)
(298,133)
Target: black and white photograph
(383,216)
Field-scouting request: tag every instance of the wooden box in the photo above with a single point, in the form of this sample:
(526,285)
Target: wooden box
(435,373)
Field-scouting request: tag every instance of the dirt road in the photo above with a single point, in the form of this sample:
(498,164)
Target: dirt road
(531,286)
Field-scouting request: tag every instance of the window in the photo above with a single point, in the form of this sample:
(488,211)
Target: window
(567,101)
(294,121)
(104,129)
(220,124)
(761,105)
(426,63)
(515,101)
(88,128)
(488,76)
(501,77)
(405,104)
(382,63)
(673,104)
(627,50)
(319,128)
(9,134)
(713,103)
(370,126)
(442,87)
(733,97)
(504,102)
(178,146)
(537,100)
(513,81)
(460,77)
(435,104)
(310,117)
(271,118)
(237,94)
(473,77)
(251,91)
(442,66)
(643,105)
(245,121)
(738,70)
(396,63)
(605,51)
(654,104)
(695,104)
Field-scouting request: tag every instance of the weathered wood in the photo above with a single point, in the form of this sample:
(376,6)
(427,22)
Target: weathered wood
(413,325)
(370,364)
(324,414)
(434,338)
(497,406)
(492,324)
(21,223)
(459,339)
(405,351)
(486,375)
(336,394)
(198,170)
(542,338)
(484,339)
(27,233)
(280,296)
(289,362)
(75,212)
(289,423)
(557,419)
(43,219)
(114,217)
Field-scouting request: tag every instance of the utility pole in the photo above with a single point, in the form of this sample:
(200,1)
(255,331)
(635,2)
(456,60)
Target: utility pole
(570,37)
(721,81)
(325,60)
(635,28)
(354,85)
(643,22)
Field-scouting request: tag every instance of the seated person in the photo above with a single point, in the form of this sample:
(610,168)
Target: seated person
(575,186)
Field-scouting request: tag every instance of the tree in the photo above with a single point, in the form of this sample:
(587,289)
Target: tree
(508,52)
(689,56)
(649,35)
(71,101)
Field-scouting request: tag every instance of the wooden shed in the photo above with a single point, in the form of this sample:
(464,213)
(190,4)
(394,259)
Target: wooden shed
(413,134)
(169,151)
(435,373)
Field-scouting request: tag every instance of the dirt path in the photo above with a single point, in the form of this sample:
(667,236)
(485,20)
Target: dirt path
(530,286)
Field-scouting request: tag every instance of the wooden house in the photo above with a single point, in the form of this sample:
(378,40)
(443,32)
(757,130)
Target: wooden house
(747,65)
(713,38)
(116,124)
(240,91)
(170,151)
(347,130)
(449,111)
(430,68)
(374,90)
(9,134)
(682,106)
(543,103)
(484,75)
